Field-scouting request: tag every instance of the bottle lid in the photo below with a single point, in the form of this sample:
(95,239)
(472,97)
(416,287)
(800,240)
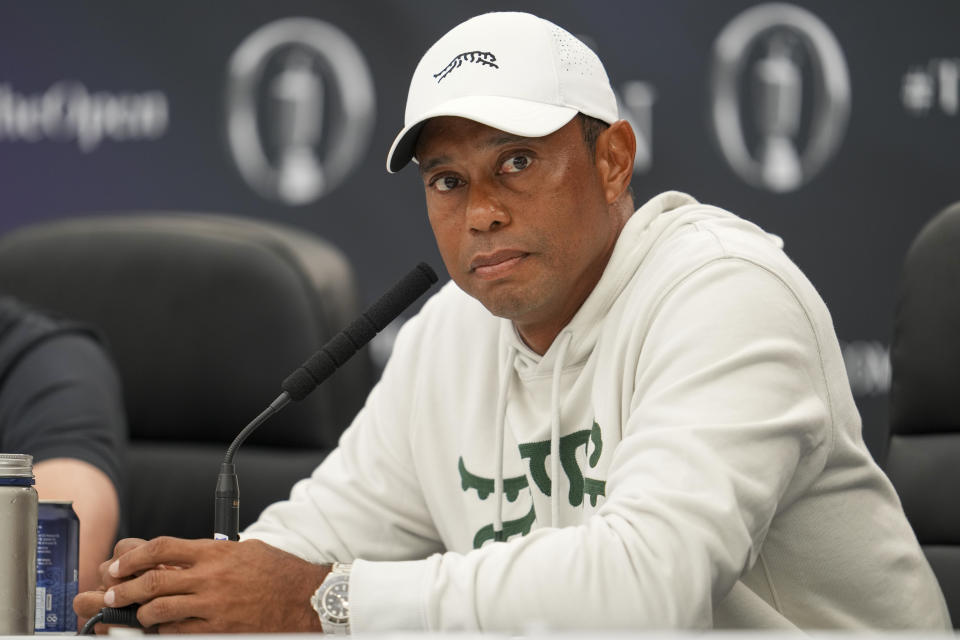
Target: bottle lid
(16,465)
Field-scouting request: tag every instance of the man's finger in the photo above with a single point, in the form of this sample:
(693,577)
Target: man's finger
(126,544)
(119,549)
(106,579)
(159,551)
(170,610)
(88,604)
(154,583)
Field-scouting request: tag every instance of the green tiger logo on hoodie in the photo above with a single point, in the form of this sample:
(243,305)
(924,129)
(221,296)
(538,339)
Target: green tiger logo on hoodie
(536,454)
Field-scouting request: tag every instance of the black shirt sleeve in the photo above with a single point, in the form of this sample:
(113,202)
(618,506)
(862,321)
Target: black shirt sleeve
(62,399)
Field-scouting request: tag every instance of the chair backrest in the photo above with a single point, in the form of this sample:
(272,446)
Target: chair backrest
(923,458)
(204,315)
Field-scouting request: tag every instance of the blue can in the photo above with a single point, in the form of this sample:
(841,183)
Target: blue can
(58,556)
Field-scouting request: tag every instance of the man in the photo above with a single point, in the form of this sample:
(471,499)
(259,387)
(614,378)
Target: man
(60,402)
(610,419)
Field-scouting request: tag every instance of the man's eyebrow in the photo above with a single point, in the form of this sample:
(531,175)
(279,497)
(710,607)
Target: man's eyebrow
(502,139)
(493,141)
(431,163)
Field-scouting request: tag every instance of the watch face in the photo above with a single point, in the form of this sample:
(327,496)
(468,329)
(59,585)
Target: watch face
(335,603)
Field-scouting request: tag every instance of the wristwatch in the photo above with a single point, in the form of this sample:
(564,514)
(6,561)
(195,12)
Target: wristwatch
(331,600)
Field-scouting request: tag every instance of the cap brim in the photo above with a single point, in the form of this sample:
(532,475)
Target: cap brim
(512,115)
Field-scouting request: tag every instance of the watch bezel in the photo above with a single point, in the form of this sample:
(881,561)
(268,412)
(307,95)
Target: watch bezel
(325,612)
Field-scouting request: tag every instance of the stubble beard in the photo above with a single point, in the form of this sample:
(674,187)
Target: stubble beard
(515,303)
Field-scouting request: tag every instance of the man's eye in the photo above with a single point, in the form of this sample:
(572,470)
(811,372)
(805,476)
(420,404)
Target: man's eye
(446,183)
(515,164)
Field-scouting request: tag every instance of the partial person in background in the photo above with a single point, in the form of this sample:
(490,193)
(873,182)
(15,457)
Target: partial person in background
(60,402)
(611,418)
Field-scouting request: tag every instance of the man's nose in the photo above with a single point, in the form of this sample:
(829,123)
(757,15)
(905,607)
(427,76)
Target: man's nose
(485,212)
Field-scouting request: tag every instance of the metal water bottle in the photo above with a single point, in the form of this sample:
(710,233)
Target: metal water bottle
(18,544)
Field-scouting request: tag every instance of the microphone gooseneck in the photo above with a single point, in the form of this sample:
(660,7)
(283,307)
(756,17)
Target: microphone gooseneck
(308,376)
(226,500)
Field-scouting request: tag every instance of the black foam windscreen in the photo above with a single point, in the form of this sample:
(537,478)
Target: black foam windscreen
(346,343)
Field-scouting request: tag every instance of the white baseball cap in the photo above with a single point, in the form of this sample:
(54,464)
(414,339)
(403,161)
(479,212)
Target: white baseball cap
(511,71)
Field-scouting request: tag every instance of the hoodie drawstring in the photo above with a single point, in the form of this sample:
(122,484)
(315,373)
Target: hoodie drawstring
(505,376)
(565,339)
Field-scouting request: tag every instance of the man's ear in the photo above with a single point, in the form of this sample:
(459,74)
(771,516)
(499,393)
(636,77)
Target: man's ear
(616,147)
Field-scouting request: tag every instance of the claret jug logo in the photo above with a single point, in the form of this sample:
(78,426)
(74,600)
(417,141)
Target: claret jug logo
(781,95)
(477,57)
(300,109)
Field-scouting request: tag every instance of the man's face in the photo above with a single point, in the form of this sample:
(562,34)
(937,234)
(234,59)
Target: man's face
(522,224)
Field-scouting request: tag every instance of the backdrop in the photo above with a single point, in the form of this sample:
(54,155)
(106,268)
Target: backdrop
(831,124)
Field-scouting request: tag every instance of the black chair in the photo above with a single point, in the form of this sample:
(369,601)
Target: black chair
(204,315)
(923,458)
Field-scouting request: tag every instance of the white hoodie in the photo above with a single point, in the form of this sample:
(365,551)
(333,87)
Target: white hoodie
(687,454)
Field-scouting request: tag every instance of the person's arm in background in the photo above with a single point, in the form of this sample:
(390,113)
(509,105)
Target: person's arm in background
(94,500)
(61,403)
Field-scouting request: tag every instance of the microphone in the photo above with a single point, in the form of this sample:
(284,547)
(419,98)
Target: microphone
(308,376)
(342,346)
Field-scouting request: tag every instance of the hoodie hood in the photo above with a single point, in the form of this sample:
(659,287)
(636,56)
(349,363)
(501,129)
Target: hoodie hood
(631,248)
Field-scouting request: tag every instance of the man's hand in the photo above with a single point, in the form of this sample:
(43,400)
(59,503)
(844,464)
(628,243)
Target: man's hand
(209,586)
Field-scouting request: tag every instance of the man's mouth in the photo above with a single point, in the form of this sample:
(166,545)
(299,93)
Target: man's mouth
(494,265)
